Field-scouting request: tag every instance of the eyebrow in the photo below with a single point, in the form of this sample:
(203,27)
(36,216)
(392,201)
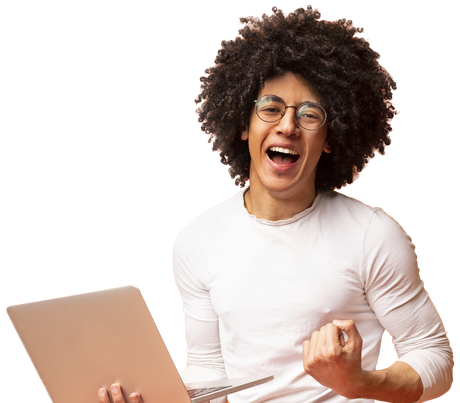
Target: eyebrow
(277,96)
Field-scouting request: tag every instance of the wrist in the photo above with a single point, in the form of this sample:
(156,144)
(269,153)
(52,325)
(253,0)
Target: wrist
(398,384)
(368,383)
(359,386)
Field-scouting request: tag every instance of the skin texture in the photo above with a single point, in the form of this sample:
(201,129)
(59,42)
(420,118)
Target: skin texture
(280,191)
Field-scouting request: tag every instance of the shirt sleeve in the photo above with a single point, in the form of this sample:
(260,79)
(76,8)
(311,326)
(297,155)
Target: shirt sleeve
(397,295)
(204,355)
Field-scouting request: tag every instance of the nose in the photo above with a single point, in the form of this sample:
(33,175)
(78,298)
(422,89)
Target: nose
(288,125)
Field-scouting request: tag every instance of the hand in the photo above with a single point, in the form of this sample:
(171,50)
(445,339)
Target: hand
(334,362)
(117,396)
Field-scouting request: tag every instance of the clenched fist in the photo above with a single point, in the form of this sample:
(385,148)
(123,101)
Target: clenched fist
(335,360)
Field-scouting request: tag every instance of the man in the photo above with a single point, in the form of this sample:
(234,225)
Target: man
(290,277)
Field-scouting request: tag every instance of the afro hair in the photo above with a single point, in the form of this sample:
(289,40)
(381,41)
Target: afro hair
(340,68)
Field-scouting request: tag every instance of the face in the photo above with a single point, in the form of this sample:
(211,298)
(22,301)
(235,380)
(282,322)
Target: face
(284,155)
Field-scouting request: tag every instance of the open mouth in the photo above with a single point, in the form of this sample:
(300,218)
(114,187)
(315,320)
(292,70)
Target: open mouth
(282,156)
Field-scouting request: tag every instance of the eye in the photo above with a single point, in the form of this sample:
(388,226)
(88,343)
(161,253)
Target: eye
(311,112)
(309,116)
(270,109)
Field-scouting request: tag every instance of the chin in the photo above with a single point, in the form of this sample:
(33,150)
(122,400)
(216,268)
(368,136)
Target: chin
(288,188)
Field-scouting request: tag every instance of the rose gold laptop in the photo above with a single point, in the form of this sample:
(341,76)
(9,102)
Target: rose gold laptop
(81,343)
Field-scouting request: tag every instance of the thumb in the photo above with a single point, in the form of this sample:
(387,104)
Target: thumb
(349,327)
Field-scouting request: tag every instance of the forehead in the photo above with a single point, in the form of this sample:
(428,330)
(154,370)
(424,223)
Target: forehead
(290,87)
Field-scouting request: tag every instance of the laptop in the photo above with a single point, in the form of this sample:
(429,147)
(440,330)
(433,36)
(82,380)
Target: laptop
(81,343)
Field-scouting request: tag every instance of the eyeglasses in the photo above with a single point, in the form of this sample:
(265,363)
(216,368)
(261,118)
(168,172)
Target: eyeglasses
(271,108)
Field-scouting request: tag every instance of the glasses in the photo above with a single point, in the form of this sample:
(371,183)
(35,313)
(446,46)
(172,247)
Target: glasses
(271,108)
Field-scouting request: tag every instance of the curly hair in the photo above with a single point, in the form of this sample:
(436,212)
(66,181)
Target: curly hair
(339,67)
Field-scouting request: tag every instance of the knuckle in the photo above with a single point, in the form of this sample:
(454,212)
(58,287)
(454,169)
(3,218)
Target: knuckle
(308,366)
(316,359)
(317,356)
(334,357)
(350,323)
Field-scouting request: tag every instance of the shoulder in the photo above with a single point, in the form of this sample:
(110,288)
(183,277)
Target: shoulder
(386,237)
(386,252)
(210,224)
(339,199)
(367,224)
(346,210)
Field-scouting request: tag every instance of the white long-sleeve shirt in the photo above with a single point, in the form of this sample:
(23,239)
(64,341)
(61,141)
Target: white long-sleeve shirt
(254,290)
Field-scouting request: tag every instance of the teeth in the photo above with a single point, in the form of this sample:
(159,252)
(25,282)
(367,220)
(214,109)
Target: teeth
(284,150)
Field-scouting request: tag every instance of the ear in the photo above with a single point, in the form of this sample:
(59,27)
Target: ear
(327,149)
(245,134)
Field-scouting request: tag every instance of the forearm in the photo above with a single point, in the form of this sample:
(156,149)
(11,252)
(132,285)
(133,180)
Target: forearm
(399,383)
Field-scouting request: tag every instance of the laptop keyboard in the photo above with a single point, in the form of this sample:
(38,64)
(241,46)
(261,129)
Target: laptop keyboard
(203,391)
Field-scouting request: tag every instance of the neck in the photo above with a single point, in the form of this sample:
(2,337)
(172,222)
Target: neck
(274,207)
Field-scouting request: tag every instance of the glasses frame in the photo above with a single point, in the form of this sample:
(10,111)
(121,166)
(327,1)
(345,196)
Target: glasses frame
(297,108)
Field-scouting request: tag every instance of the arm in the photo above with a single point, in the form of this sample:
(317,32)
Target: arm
(396,295)
(398,383)
(336,363)
(204,356)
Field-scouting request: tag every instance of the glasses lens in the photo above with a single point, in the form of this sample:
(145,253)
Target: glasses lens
(311,116)
(270,108)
